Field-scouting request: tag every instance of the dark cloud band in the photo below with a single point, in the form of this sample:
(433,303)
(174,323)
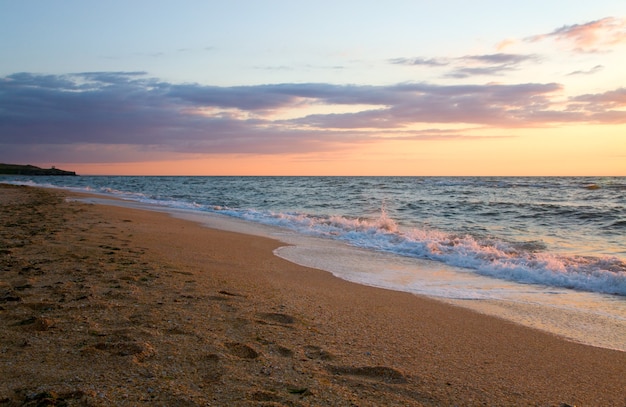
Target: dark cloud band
(130,108)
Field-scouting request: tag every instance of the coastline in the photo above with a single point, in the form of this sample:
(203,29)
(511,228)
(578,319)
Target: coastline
(585,317)
(106,305)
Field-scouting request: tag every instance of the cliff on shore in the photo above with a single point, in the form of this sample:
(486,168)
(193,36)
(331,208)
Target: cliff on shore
(16,169)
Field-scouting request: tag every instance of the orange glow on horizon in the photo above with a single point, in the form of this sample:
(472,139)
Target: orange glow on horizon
(524,152)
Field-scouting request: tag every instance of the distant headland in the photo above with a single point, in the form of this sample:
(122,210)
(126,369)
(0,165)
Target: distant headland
(16,169)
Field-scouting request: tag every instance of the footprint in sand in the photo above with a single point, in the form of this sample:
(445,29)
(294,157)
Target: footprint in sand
(138,350)
(241,350)
(211,367)
(224,297)
(36,323)
(9,296)
(282,351)
(230,294)
(42,306)
(266,397)
(276,318)
(382,373)
(315,352)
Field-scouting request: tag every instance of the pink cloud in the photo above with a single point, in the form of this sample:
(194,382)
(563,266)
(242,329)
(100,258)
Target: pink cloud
(593,36)
(614,99)
(506,43)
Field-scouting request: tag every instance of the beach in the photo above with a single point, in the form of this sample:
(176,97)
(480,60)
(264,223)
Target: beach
(104,305)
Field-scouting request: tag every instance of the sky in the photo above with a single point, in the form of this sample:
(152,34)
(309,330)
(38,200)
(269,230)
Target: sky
(425,88)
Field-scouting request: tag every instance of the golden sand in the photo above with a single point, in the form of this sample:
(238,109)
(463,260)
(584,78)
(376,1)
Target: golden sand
(109,306)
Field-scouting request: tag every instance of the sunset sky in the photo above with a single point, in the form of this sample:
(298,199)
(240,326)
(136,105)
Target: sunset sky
(314,88)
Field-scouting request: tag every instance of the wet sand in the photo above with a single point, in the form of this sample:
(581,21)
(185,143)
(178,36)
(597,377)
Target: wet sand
(103,305)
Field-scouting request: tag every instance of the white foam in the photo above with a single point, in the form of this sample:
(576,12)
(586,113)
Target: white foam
(488,257)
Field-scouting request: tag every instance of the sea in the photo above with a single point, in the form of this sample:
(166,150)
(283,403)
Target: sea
(545,252)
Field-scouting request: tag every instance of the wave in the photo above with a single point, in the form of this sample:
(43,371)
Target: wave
(520,261)
(523,262)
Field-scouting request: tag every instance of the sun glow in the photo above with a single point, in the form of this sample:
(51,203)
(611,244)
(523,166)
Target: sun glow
(538,94)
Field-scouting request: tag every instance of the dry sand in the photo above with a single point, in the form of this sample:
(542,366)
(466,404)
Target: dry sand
(109,306)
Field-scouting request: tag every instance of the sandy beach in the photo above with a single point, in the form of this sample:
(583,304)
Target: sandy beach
(110,306)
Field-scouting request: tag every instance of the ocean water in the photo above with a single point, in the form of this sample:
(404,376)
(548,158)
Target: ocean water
(540,243)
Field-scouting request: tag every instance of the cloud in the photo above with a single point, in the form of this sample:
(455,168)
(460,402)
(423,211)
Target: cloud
(492,104)
(610,100)
(501,58)
(71,115)
(489,64)
(607,108)
(593,36)
(471,65)
(591,71)
(466,72)
(435,62)
(505,44)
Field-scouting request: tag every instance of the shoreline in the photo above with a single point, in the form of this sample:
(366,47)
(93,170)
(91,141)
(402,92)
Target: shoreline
(132,307)
(598,324)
